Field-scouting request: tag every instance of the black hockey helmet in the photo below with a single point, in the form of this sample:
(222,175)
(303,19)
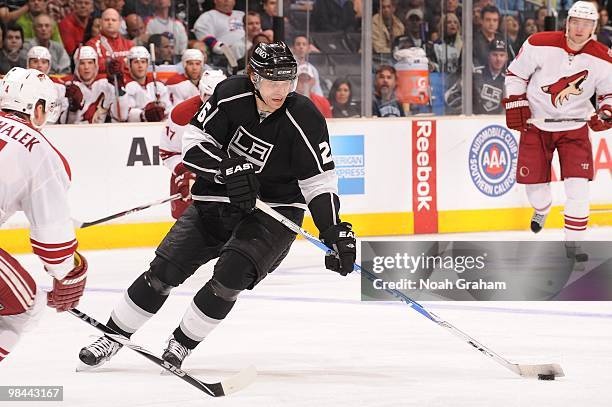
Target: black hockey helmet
(273,61)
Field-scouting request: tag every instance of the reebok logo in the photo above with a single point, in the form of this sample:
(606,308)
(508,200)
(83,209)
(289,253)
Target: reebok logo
(423,172)
(424,196)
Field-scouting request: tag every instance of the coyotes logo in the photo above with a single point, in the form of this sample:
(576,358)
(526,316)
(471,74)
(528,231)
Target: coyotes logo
(561,90)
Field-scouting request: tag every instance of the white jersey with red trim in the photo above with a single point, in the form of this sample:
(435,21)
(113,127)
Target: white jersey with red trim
(137,96)
(62,102)
(558,81)
(171,141)
(181,88)
(97,100)
(35,180)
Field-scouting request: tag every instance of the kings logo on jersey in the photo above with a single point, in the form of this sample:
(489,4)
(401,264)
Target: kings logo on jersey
(254,149)
(492,160)
(565,87)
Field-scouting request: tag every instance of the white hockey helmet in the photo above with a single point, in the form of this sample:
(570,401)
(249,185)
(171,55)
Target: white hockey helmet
(38,52)
(84,52)
(22,89)
(192,55)
(138,52)
(585,10)
(209,81)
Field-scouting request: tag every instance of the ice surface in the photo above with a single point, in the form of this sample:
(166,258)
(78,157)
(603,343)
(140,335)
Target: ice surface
(315,344)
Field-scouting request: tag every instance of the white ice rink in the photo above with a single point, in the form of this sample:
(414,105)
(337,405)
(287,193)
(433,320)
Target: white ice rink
(315,344)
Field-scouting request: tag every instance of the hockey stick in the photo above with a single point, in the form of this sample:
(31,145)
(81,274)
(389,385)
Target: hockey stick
(80,224)
(523,370)
(561,120)
(231,385)
(153,68)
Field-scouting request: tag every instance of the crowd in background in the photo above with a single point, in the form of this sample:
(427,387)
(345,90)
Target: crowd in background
(417,47)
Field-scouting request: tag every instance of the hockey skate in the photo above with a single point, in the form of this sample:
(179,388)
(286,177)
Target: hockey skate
(97,353)
(175,353)
(537,221)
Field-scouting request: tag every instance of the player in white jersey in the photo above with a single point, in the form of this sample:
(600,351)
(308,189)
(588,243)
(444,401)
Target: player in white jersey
(145,100)
(35,179)
(184,86)
(40,58)
(171,141)
(90,95)
(553,77)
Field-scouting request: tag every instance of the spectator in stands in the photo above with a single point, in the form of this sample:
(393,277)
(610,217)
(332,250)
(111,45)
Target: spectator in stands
(453,6)
(604,34)
(270,10)
(93,29)
(334,15)
(12,53)
(341,99)
(385,27)
(528,28)
(59,9)
(136,29)
(60,61)
(541,17)
(426,11)
(72,27)
(110,44)
(488,32)
(162,22)
(183,86)
(385,104)
(306,81)
(412,34)
(11,10)
(26,21)
(252,22)
(222,26)
(144,8)
(447,50)
(510,31)
(476,19)
(164,50)
(488,82)
(301,49)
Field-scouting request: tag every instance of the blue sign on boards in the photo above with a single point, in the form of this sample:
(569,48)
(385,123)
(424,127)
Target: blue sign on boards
(349,157)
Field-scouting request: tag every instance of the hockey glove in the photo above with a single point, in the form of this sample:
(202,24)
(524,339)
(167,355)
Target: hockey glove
(67,292)
(154,112)
(602,120)
(183,183)
(341,239)
(114,72)
(75,97)
(242,185)
(517,111)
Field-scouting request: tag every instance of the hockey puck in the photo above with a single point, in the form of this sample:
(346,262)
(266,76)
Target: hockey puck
(546,377)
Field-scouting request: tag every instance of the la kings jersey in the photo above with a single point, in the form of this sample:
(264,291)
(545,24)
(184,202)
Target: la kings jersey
(35,179)
(559,82)
(289,149)
(488,91)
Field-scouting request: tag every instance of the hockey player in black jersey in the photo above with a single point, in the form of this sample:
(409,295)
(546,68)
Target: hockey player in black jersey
(254,138)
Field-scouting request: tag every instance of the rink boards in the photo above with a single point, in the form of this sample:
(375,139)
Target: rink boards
(397,176)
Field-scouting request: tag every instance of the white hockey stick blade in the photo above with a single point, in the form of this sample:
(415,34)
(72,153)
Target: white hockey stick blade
(535,370)
(239,381)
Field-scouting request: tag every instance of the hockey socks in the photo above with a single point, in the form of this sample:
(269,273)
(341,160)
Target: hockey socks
(136,307)
(203,315)
(576,211)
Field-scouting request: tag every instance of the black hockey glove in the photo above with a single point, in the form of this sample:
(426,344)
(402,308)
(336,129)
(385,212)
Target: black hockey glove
(341,239)
(242,186)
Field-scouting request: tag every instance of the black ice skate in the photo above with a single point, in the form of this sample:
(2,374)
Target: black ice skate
(537,221)
(98,353)
(175,353)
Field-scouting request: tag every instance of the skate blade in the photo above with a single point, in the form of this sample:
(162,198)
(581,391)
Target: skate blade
(82,367)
